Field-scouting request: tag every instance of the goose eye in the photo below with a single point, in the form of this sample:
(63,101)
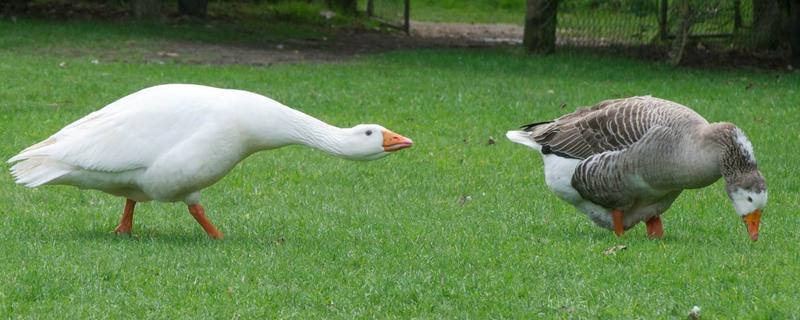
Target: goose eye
(749,199)
(369,132)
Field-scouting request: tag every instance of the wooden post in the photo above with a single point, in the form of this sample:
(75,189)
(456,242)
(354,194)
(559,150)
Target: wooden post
(370,8)
(737,16)
(349,7)
(663,30)
(145,9)
(407,17)
(794,33)
(193,8)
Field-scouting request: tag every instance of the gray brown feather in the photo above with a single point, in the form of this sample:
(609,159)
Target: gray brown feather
(608,126)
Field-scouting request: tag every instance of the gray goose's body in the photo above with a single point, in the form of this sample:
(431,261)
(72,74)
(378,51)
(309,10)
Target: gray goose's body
(635,156)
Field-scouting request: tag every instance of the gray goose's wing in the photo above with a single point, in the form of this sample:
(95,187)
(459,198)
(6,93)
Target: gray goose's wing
(610,125)
(605,178)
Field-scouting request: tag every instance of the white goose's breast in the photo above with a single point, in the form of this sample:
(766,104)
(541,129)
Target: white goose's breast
(189,168)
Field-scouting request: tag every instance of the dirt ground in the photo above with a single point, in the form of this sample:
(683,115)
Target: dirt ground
(350,44)
(346,45)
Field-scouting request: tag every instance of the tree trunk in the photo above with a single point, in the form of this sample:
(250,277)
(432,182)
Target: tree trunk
(193,8)
(539,35)
(145,9)
(370,8)
(768,21)
(349,7)
(794,33)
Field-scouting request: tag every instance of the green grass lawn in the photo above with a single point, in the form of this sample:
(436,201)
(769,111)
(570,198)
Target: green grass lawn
(310,236)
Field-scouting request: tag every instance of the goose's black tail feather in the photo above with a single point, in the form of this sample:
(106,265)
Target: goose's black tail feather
(530,126)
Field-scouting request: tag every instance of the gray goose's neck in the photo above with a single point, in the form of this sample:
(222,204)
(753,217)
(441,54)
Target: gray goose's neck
(735,150)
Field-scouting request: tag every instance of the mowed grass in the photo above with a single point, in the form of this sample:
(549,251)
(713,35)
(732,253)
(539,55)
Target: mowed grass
(311,236)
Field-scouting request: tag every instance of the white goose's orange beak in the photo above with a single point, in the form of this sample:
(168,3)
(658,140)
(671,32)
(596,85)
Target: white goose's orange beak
(752,220)
(394,142)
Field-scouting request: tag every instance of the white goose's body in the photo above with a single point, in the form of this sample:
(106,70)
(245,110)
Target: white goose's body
(168,142)
(625,161)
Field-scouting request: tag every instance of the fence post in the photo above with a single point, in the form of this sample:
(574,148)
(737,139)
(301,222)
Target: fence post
(407,17)
(662,20)
(737,16)
(794,42)
(146,9)
(193,8)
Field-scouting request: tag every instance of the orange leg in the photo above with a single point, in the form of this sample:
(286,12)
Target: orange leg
(655,229)
(619,227)
(199,214)
(126,222)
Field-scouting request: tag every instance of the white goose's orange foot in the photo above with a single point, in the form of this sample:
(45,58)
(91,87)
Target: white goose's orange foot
(655,230)
(126,222)
(122,229)
(198,213)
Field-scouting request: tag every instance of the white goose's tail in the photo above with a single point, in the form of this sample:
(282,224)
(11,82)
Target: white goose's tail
(524,138)
(34,168)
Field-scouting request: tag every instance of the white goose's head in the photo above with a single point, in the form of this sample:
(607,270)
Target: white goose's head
(370,142)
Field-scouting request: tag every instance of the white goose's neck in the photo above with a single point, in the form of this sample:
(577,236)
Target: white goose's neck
(315,133)
(273,125)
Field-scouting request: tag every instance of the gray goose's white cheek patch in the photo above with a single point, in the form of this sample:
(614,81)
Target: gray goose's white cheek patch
(745,201)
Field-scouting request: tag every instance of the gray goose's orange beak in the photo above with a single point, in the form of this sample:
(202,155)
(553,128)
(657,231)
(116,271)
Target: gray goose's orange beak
(752,220)
(394,142)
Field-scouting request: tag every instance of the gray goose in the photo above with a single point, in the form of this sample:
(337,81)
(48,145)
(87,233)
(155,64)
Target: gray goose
(625,161)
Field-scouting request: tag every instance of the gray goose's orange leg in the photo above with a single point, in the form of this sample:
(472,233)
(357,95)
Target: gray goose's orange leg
(619,227)
(199,214)
(655,229)
(126,222)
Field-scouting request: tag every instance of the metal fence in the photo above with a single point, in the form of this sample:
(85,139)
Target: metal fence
(699,26)
(637,22)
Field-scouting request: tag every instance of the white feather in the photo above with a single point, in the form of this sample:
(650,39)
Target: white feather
(745,145)
(523,138)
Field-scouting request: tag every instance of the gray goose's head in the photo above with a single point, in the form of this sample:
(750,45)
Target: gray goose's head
(744,183)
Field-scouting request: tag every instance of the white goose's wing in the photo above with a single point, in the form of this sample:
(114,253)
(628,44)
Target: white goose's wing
(128,134)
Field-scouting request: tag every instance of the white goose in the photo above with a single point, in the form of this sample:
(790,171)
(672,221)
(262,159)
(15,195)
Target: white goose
(168,142)
(625,161)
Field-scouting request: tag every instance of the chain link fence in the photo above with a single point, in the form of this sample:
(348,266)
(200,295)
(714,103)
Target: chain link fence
(666,28)
(744,30)
(645,22)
